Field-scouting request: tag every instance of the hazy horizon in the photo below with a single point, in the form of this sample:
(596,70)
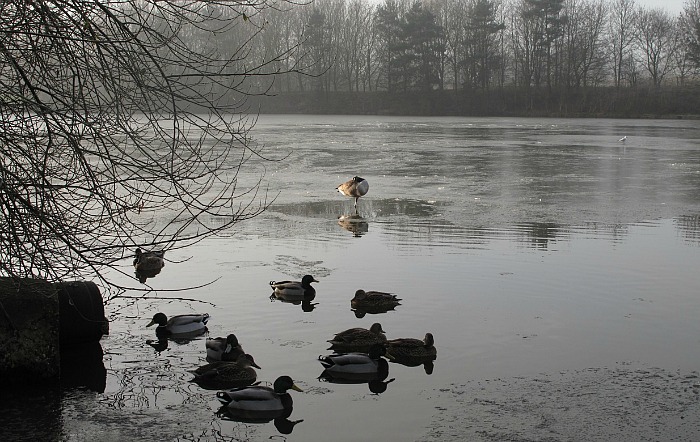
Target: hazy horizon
(673,6)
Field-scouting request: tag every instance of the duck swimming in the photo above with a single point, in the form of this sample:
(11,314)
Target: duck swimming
(180,325)
(344,365)
(223,349)
(148,264)
(355,188)
(410,351)
(358,339)
(224,374)
(260,398)
(373,300)
(287,289)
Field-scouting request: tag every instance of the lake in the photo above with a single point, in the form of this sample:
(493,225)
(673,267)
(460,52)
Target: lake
(554,264)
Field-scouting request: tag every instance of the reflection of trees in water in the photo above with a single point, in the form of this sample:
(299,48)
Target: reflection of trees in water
(539,235)
(158,384)
(689,227)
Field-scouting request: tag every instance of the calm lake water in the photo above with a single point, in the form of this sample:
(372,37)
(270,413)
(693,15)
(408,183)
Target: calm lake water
(556,267)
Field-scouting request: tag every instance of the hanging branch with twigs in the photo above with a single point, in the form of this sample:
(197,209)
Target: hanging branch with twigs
(124,124)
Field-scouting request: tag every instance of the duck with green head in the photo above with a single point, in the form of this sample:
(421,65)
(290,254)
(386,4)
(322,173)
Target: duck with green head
(289,289)
(260,398)
(356,366)
(192,324)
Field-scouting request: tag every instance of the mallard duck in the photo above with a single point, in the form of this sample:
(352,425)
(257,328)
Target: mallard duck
(224,374)
(288,289)
(223,349)
(148,264)
(180,324)
(410,351)
(372,300)
(260,398)
(358,339)
(355,188)
(354,363)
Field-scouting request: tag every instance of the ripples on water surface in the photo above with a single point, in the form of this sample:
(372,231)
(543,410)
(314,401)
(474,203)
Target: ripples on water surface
(550,261)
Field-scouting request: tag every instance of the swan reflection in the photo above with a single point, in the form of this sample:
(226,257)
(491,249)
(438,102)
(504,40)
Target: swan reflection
(354,223)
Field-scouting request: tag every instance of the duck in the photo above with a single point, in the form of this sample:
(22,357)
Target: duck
(355,187)
(354,363)
(289,289)
(372,300)
(223,349)
(148,264)
(191,324)
(411,351)
(260,398)
(146,260)
(223,374)
(358,339)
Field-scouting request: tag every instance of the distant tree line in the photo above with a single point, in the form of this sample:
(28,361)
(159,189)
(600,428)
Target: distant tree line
(484,56)
(563,57)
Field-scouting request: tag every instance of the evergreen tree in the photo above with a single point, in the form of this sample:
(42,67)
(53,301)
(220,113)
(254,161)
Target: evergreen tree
(480,43)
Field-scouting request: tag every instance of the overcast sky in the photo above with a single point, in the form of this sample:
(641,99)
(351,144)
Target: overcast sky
(672,6)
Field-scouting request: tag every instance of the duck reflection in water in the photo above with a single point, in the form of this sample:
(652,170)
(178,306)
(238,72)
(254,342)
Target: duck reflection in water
(413,352)
(354,224)
(358,368)
(305,300)
(373,302)
(162,343)
(283,424)
(159,345)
